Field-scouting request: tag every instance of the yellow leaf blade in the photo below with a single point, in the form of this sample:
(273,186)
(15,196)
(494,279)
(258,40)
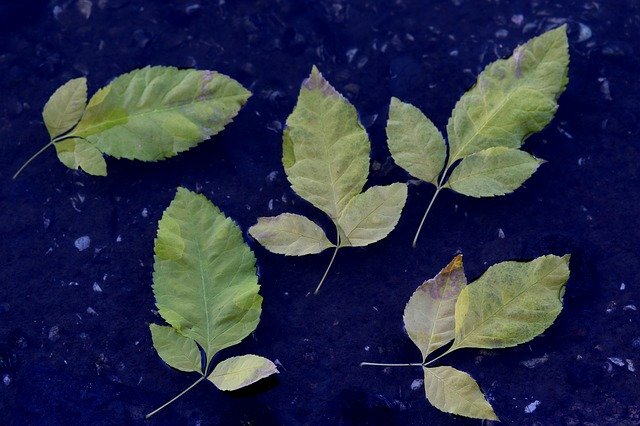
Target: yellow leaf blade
(240,371)
(176,350)
(290,234)
(65,107)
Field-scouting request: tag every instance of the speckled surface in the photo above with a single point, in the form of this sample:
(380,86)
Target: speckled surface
(76,251)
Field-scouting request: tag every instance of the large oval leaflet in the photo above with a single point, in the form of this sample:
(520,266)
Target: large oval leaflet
(148,114)
(206,288)
(512,99)
(325,154)
(511,303)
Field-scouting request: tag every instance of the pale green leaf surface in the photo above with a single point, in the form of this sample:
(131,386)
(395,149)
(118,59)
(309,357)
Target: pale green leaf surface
(415,143)
(454,391)
(207,288)
(290,234)
(493,171)
(511,303)
(65,107)
(176,350)
(156,112)
(77,153)
(512,98)
(325,148)
(240,371)
(429,314)
(372,215)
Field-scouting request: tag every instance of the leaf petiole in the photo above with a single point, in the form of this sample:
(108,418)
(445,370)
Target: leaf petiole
(378,364)
(175,397)
(335,251)
(435,195)
(33,157)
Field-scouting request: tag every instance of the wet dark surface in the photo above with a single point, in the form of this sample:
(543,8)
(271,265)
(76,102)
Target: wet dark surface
(74,340)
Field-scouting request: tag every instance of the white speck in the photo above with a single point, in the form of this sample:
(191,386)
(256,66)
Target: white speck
(617,361)
(581,161)
(500,233)
(585,33)
(604,88)
(83,243)
(366,348)
(453,53)
(271,177)
(271,204)
(565,133)
(53,333)
(534,362)
(517,19)
(46,222)
(118,238)
(630,366)
(630,308)
(91,311)
(502,33)
(351,53)
(6,379)
(622,286)
(144,212)
(416,384)
(191,8)
(97,288)
(531,407)
(409,37)
(57,11)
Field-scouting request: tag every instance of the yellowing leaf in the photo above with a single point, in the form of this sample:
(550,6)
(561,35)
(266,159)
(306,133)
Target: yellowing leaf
(415,143)
(325,153)
(176,350)
(512,98)
(372,215)
(240,371)
(325,148)
(494,171)
(429,314)
(290,234)
(511,303)
(454,391)
(65,107)
(210,292)
(148,114)
(77,153)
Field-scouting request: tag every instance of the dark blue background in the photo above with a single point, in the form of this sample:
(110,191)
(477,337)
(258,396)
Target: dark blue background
(62,364)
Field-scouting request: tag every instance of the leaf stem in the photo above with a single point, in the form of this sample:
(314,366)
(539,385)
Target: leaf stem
(33,157)
(451,349)
(378,364)
(435,195)
(174,398)
(328,267)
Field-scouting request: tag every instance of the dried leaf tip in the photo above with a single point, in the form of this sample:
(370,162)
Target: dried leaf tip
(316,81)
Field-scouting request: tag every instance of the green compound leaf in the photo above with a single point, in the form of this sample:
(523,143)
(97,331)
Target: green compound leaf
(241,371)
(429,314)
(513,98)
(209,293)
(176,350)
(454,391)
(494,171)
(415,143)
(511,303)
(326,149)
(206,287)
(372,215)
(77,153)
(325,154)
(290,234)
(65,107)
(148,114)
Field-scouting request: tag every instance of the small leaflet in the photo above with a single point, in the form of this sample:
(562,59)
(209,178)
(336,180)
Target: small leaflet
(148,114)
(511,303)
(206,289)
(325,154)
(512,99)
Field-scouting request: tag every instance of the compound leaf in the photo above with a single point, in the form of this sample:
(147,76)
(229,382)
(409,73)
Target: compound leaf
(493,171)
(290,234)
(65,107)
(511,303)
(415,143)
(240,371)
(207,289)
(454,391)
(513,98)
(325,148)
(372,215)
(429,314)
(77,153)
(176,350)
(156,112)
